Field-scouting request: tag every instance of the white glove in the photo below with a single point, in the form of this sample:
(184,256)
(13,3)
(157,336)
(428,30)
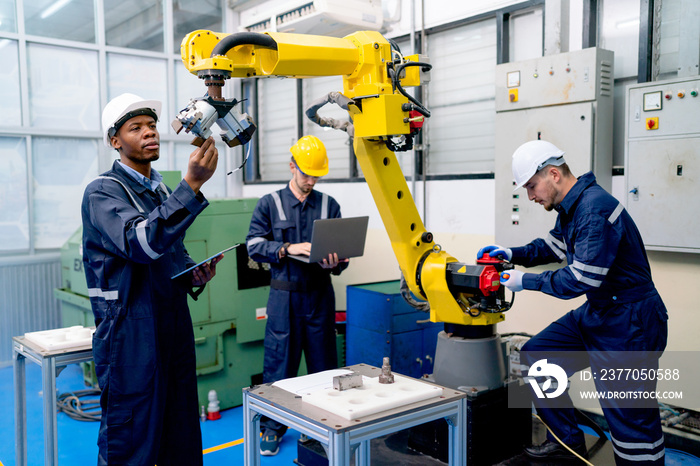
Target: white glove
(512,279)
(495,251)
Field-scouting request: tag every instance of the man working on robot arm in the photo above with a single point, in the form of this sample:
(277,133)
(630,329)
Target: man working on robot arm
(143,346)
(624,313)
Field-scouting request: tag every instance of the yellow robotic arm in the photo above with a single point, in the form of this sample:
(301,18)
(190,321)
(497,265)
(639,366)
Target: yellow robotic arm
(381,112)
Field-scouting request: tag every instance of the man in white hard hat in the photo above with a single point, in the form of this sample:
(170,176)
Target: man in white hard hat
(301,305)
(143,346)
(623,324)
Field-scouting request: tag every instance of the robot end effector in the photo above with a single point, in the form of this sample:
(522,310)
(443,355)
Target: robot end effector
(200,114)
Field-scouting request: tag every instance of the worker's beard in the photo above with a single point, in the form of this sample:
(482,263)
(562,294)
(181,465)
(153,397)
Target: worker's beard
(303,188)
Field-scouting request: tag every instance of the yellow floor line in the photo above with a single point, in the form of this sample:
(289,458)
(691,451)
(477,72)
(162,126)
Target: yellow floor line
(217,448)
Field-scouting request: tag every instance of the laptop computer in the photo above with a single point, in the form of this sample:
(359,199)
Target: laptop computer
(344,236)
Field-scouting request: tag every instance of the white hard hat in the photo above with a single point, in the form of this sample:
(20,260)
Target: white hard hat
(122,108)
(532,157)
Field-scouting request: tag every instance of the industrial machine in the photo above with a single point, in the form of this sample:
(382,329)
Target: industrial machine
(468,298)
(228,317)
(385,119)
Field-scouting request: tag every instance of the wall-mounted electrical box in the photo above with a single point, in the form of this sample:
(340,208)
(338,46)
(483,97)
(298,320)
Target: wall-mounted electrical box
(662,163)
(566,99)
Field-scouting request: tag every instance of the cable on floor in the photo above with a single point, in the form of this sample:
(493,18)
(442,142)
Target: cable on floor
(77,406)
(562,443)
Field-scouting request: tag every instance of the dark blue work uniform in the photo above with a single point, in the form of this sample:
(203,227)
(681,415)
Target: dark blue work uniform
(622,324)
(301,305)
(143,346)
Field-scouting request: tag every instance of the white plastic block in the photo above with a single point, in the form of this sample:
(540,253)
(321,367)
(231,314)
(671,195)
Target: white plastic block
(62,338)
(372,397)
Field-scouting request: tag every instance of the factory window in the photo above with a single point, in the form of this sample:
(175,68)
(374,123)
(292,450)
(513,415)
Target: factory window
(525,34)
(678,54)
(60,66)
(460,133)
(337,142)
(190,15)
(135,24)
(9,83)
(14,222)
(7,16)
(143,76)
(277,124)
(63,88)
(66,20)
(249,105)
(277,118)
(189,86)
(61,169)
(619,32)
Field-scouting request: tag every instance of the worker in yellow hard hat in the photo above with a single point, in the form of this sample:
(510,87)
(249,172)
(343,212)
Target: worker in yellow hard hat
(301,305)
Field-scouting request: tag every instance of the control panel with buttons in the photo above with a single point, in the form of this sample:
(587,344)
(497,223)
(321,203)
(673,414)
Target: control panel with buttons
(662,163)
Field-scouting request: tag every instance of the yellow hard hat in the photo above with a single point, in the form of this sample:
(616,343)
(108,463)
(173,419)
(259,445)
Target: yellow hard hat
(310,156)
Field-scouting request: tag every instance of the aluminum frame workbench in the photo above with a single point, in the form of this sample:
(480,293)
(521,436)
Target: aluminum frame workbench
(341,437)
(51,362)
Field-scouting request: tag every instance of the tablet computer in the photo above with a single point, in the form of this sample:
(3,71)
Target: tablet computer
(205,260)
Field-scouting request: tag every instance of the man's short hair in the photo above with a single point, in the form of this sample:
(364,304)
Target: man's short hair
(563,168)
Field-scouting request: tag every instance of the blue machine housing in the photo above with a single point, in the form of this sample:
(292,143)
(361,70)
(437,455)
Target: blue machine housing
(380,323)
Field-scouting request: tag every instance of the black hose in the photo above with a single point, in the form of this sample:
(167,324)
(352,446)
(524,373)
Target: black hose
(78,408)
(243,38)
(394,45)
(408,297)
(397,83)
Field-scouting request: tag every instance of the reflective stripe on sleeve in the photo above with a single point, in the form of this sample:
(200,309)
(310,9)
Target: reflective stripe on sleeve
(588,281)
(557,247)
(143,241)
(616,213)
(590,268)
(106,295)
(278,202)
(254,241)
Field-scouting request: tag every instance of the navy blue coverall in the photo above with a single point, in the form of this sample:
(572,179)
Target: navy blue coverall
(143,345)
(624,320)
(301,305)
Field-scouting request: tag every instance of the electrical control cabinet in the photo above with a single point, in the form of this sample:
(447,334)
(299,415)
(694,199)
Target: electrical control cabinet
(662,162)
(566,99)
